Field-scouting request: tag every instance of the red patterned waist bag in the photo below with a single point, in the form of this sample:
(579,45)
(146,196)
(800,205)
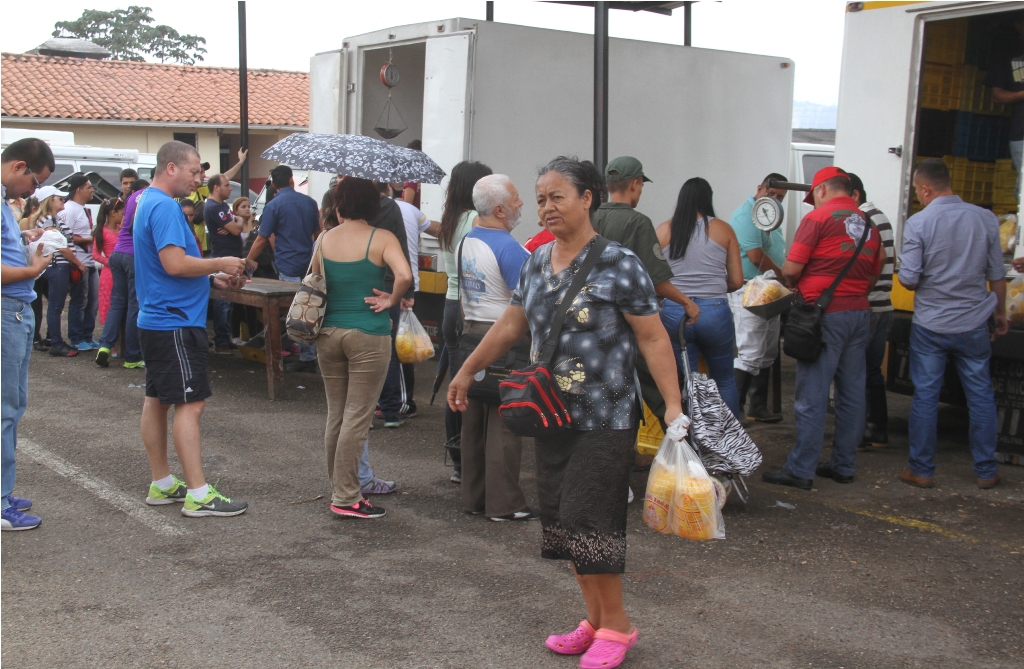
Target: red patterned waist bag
(531,403)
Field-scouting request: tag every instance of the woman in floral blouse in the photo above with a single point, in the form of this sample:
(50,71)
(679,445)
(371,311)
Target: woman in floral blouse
(583,479)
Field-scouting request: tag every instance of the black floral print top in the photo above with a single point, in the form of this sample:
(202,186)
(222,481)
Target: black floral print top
(596,353)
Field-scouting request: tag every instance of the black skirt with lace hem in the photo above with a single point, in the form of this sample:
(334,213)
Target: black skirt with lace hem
(583,485)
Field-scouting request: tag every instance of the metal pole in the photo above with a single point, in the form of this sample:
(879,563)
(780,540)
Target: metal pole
(243,94)
(490,10)
(601,85)
(687,15)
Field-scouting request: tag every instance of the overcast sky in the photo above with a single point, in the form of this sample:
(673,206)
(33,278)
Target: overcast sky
(285,35)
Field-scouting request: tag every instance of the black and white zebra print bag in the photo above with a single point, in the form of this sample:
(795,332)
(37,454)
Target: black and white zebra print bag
(722,443)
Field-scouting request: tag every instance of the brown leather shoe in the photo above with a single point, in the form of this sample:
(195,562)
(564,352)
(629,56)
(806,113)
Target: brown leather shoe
(910,478)
(985,484)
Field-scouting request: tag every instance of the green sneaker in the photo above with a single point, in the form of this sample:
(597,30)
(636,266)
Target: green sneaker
(103,356)
(176,493)
(214,504)
(141,364)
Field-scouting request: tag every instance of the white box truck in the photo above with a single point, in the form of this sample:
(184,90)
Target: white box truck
(514,97)
(912,88)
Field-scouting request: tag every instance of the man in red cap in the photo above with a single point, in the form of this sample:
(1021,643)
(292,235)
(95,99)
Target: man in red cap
(824,243)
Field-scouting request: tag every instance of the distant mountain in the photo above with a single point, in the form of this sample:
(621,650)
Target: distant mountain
(812,115)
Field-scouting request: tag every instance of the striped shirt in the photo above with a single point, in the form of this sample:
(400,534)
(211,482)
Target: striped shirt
(824,243)
(879,297)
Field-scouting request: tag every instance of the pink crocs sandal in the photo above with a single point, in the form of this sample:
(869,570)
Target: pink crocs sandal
(573,643)
(608,650)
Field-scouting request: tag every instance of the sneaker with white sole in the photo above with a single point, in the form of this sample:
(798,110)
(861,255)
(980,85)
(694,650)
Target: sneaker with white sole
(214,504)
(176,493)
(525,514)
(362,509)
(378,487)
(12,519)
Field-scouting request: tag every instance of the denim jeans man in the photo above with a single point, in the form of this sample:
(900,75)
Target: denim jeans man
(24,165)
(825,243)
(949,251)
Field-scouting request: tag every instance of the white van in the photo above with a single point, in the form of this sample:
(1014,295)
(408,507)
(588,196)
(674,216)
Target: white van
(804,160)
(71,158)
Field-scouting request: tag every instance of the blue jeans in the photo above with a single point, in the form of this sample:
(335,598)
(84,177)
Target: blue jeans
(971,352)
(366,474)
(17,325)
(845,335)
(123,305)
(85,300)
(58,279)
(307,352)
(875,353)
(713,337)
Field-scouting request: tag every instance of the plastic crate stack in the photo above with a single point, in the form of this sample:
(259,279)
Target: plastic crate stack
(1004,191)
(958,118)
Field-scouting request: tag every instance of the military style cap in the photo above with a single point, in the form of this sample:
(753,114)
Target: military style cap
(624,168)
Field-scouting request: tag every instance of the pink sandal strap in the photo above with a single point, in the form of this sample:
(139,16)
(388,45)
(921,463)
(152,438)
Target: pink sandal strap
(611,635)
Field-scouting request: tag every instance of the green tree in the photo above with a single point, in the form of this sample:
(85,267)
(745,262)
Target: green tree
(129,34)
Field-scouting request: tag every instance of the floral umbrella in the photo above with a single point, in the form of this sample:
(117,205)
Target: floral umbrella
(355,156)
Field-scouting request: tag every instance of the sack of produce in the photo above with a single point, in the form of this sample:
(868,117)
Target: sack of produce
(1008,232)
(766,297)
(1015,300)
(412,342)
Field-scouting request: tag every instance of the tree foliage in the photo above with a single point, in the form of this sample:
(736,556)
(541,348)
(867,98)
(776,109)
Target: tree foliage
(129,34)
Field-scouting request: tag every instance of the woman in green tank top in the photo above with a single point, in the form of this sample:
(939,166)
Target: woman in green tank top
(354,346)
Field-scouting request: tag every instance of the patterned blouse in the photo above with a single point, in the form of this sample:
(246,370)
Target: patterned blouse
(596,353)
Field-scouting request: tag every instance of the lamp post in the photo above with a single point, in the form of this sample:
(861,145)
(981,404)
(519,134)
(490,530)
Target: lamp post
(243,95)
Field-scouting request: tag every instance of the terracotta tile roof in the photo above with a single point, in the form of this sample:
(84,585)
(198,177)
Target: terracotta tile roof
(34,86)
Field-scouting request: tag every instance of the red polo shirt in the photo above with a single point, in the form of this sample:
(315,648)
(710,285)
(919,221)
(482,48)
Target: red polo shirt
(823,245)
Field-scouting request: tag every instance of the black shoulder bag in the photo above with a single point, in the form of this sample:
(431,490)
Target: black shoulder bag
(485,383)
(802,332)
(531,404)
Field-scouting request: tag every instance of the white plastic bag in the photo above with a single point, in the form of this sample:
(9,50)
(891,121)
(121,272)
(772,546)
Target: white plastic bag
(51,240)
(1015,300)
(681,498)
(412,342)
(763,289)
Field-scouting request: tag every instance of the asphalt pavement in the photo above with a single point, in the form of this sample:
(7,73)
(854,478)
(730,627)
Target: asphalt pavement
(871,574)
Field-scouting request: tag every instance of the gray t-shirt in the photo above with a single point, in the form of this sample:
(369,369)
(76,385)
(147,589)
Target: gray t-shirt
(950,249)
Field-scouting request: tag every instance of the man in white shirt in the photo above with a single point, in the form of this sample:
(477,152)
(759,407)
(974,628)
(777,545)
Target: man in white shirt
(85,292)
(491,260)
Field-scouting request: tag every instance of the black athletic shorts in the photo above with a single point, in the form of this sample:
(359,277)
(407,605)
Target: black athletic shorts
(176,364)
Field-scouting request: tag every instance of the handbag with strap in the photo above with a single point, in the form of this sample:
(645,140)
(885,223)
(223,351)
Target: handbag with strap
(486,381)
(306,315)
(531,403)
(802,331)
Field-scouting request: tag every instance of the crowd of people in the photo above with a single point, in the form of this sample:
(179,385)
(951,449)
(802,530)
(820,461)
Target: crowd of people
(631,289)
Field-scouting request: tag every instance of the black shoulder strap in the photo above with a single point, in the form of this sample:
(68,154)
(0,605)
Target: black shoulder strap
(593,255)
(826,295)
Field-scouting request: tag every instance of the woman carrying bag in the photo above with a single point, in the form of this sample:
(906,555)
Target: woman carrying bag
(583,472)
(354,343)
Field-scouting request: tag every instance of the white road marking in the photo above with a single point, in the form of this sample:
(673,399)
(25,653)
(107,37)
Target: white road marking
(133,507)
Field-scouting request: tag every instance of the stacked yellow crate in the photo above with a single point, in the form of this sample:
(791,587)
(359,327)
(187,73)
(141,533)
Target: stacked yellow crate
(1004,199)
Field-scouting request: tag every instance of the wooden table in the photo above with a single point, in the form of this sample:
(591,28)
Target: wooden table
(273,297)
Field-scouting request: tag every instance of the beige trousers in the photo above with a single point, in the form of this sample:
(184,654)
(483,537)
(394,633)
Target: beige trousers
(353,365)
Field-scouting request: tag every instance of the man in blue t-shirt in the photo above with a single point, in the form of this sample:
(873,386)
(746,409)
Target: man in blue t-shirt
(757,339)
(172,280)
(26,163)
(225,240)
(294,220)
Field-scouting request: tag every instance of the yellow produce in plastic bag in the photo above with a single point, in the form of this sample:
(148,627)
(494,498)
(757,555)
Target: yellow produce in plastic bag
(681,497)
(763,290)
(1015,300)
(695,508)
(412,343)
(658,500)
(1008,232)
